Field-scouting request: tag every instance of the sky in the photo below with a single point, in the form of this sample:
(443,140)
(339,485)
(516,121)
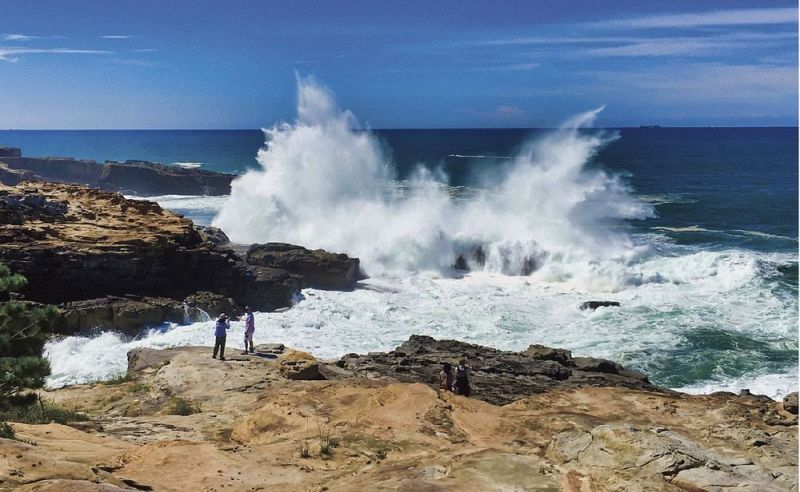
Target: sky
(140,64)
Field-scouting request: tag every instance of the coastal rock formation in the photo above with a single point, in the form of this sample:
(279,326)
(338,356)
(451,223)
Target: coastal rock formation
(496,376)
(252,427)
(75,243)
(318,269)
(135,177)
(592,305)
(127,314)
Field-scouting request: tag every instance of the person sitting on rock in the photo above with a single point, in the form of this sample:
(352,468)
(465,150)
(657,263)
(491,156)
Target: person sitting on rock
(446,379)
(249,329)
(221,333)
(461,383)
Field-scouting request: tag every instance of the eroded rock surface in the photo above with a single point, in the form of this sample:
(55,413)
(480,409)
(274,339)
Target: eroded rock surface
(317,269)
(496,376)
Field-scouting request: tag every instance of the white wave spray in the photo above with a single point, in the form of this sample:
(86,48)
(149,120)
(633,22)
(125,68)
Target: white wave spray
(324,184)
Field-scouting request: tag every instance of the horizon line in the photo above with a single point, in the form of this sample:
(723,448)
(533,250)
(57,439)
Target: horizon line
(638,127)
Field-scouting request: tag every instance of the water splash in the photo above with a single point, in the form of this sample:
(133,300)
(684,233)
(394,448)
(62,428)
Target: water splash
(324,184)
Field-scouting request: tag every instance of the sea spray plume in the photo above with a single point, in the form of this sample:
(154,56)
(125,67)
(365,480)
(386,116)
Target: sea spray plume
(322,184)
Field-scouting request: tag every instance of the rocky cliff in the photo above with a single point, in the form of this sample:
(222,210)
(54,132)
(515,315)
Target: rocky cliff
(133,177)
(76,244)
(282,419)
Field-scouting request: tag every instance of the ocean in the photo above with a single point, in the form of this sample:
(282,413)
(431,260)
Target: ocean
(693,230)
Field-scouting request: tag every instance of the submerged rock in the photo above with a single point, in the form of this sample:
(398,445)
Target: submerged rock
(592,305)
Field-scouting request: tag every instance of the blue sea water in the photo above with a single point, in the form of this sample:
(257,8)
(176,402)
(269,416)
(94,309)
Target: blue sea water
(728,193)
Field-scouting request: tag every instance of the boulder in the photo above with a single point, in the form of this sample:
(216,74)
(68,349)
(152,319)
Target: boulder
(299,365)
(541,352)
(592,305)
(790,403)
(214,236)
(318,269)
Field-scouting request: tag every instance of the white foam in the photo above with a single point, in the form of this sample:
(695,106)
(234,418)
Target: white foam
(188,165)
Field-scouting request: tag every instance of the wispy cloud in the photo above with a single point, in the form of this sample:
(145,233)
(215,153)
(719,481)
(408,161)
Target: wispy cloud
(18,37)
(116,36)
(10,53)
(146,50)
(731,17)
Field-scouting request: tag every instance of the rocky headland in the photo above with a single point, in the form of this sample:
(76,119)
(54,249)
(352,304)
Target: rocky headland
(118,263)
(133,177)
(539,419)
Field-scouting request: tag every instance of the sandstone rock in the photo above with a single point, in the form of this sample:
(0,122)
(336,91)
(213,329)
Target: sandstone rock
(592,305)
(127,314)
(790,403)
(144,358)
(299,365)
(318,269)
(496,376)
(75,243)
(636,454)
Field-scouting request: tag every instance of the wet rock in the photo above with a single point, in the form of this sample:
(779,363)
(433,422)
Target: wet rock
(204,305)
(592,305)
(10,152)
(318,269)
(126,314)
(213,235)
(496,376)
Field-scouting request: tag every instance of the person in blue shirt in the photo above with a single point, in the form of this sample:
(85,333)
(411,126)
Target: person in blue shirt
(221,332)
(249,329)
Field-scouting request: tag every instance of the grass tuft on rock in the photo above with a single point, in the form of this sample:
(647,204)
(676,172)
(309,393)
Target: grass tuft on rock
(125,377)
(42,412)
(182,406)
(6,431)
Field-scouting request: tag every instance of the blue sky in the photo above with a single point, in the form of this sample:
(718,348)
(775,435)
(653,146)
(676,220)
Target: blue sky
(409,64)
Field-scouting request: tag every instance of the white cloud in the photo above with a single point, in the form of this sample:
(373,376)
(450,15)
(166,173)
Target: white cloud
(7,54)
(146,50)
(733,17)
(116,36)
(18,37)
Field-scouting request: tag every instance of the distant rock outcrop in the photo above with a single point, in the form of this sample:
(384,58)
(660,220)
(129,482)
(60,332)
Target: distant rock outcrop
(134,177)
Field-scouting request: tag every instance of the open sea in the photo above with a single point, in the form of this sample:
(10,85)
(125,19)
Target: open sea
(693,230)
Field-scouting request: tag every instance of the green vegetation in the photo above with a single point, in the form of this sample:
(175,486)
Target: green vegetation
(6,431)
(125,377)
(326,442)
(303,450)
(24,328)
(41,411)
(181,406)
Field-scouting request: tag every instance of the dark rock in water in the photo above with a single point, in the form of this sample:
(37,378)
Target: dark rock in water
(496,376)
(596,304)
(790,403)
(318,269)
(213,235)
(209,303)
(10,152)
(128,314)
(461,263)
(137,177)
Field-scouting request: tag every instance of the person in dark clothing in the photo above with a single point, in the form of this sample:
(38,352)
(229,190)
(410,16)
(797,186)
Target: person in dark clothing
(446,377)
(461,383)
(221,333)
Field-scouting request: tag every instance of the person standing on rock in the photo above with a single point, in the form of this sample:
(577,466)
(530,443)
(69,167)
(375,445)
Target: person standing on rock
(461,383)
(446,380)
(249,329)
(221,333)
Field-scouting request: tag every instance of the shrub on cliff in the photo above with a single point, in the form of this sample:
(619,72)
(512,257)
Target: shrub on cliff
(24,329)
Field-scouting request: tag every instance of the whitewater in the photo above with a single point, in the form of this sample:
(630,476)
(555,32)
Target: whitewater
(541,233)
